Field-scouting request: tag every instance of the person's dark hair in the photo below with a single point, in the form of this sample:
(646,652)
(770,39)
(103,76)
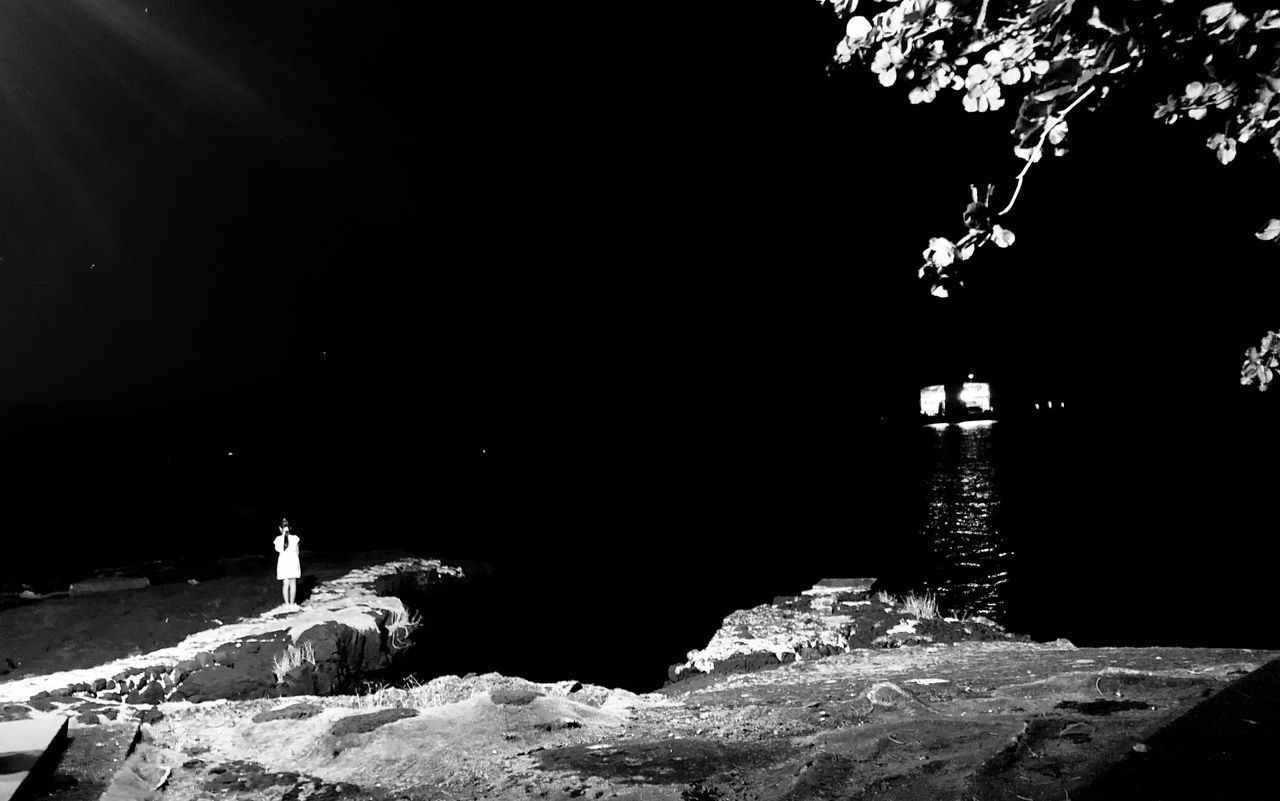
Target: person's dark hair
(284,524)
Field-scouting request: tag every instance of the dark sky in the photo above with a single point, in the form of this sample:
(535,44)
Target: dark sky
(386,230)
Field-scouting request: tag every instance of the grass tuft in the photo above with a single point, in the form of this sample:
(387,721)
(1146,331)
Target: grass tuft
(400,626)
(921,607)
(886,599)
(290,658)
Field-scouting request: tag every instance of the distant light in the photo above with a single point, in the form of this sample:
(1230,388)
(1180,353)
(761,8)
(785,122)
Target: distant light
(975,423)
(976,396)
(1050,404)
(1037,407)
(970,376)
(229,453)
(939,425)
(933,400)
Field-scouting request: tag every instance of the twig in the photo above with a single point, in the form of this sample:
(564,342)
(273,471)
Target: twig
(1097,686)
(163,779)
(1054,122)
(892,739)
(982,15)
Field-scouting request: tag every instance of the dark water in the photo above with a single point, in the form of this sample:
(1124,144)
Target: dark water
(608,572)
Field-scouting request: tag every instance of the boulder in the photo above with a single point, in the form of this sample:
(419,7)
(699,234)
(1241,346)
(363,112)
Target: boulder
(99,685)
(344,655)
(359,724)
(221,681)
(109,696)
(513,696)
(153,693)
(301,680)
(291,712)
(14,712)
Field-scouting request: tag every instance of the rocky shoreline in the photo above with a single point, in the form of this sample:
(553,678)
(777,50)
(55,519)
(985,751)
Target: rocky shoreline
(833,693)
(833,617)
(351,627)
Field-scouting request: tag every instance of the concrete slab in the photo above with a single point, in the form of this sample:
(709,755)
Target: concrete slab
(27,750)
(92,586)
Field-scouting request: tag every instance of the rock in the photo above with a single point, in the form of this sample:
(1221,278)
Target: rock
(153,693)
(80,687)
(88,718)
(512,696)
(301,680)
(559,725)
(152,715)
(110,714)
(291,712)
(359,724)
(204,659)
(99,685)
(343,655)
(221,681)
(109,696)
(14,712)
(188,666)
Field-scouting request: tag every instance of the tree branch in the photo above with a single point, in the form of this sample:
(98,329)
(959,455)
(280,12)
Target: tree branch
(1039,148)
(982,15)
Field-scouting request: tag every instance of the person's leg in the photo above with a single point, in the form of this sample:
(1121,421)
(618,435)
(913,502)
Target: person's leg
(284,590)
(293,592)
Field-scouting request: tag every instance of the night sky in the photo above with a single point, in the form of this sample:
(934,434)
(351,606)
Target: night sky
(393,251)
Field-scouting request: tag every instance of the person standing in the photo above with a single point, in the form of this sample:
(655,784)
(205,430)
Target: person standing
(288,568)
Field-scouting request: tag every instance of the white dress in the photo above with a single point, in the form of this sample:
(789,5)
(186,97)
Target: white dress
(287,565)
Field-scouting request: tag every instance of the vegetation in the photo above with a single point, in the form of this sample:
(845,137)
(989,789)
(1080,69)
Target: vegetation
(1053,58)
(290,658)
(1216,65)
(921,607)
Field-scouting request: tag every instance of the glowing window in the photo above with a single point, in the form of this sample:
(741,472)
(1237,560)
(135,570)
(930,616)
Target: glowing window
(933,400)
(975,395)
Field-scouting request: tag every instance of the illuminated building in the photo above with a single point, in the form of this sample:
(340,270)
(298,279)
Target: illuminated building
(971,399)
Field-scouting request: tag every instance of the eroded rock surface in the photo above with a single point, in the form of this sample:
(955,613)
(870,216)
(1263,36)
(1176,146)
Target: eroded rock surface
(988,720)
(833,617)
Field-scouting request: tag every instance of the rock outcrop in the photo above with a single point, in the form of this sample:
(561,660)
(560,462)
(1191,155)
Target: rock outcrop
(352,628)
(835,616)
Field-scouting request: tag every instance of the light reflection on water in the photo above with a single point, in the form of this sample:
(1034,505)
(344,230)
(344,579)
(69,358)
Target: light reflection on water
(968,556)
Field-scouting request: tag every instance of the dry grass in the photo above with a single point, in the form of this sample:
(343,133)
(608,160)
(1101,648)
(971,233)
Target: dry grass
(290,658)
(921,607)
(886,599)
(384,696)
(400,626)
